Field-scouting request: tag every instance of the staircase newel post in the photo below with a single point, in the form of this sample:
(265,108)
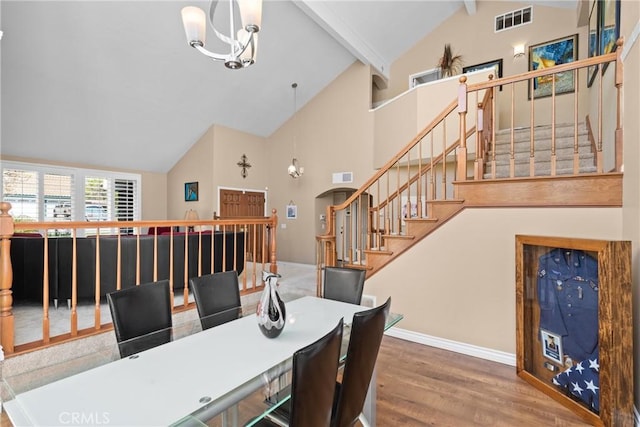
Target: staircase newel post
(6,279)
(619,78)
(461,171)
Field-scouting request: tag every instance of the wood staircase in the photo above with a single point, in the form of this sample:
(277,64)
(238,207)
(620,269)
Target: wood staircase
(460,160)
(519,191)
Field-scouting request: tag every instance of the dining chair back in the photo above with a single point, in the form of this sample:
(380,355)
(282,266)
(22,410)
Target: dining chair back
(217,298)
(313,384)
(343,284)
(366,336)
(139,311)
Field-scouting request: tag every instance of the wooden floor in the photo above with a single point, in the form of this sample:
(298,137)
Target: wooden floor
(424,386)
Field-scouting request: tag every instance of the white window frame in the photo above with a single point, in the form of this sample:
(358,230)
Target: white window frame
(79,175)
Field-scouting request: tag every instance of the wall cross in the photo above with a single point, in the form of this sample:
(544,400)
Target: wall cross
(244,165)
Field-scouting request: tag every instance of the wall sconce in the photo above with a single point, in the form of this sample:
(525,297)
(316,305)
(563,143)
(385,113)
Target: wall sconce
(518,50)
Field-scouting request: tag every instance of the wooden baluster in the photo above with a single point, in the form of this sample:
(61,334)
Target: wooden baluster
(444,160)
(155,254)
(96,310)
(576,151)
(274,266)
(493,137)
(512,150)
(532,154)
(138,266)
(74,284)
(478,166)
(6,279)
(432,178)
(119,262)
(553,125)
(171,255)
(461,173)
(185,279)
(46,325)
(419,180)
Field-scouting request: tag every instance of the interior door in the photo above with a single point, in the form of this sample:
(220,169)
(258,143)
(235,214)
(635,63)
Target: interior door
(245,204)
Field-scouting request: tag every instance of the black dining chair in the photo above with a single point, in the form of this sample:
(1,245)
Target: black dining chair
(313,379)
(141,316)
(343,284)
(217,298)
(367,330)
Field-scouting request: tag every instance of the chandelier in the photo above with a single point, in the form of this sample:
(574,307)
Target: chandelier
(243,44)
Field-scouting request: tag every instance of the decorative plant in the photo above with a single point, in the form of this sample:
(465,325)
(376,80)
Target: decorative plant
(449,64)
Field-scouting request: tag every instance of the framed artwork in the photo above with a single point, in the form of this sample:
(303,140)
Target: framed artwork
(547,55)
(593,40)
(292,211)
(608,27)
(496,64)
(190,191)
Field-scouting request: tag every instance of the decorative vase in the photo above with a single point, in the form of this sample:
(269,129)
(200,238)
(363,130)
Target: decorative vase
(271,311)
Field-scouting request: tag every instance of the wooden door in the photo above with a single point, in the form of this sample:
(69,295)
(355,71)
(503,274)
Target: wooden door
(245,204)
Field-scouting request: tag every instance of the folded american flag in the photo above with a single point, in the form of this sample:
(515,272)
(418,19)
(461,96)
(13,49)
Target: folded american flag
(582,381)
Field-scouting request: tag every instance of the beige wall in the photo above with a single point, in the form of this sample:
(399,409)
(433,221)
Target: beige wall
(630,15)
(479,43)
(153,188)
(397,121)
(476,304)
(212,162)
(229,147)
(334,134)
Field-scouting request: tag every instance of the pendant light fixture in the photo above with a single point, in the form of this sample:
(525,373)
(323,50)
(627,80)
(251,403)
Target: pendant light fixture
(294,170)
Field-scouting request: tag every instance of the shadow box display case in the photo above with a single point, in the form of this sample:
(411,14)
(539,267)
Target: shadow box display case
(574,324)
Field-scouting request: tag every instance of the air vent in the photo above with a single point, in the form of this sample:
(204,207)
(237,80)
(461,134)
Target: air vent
(514,19)
(342,177)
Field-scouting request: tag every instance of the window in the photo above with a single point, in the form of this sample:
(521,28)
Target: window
(47,193)
(513,19)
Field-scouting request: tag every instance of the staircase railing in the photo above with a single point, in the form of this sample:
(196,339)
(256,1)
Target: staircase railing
(189,248)
(462,143)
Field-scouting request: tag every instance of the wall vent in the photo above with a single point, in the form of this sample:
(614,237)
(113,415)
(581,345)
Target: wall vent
(513,19)
(342,177)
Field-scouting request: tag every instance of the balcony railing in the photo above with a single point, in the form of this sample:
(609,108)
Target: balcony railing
(74,265)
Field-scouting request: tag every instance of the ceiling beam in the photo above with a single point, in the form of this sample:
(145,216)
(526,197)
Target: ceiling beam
(330,21)
(470,5)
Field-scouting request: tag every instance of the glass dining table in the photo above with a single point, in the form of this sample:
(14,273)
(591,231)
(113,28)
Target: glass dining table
(197,378)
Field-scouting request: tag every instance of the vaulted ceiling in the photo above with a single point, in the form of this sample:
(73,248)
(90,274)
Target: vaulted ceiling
(88,81)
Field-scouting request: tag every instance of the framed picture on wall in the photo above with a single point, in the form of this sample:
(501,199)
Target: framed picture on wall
(496,65)
(191,191)
(608,27)
(292,211)
(546,56)
(593,40)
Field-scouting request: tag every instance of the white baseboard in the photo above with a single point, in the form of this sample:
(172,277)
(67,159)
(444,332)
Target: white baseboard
(458,347)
